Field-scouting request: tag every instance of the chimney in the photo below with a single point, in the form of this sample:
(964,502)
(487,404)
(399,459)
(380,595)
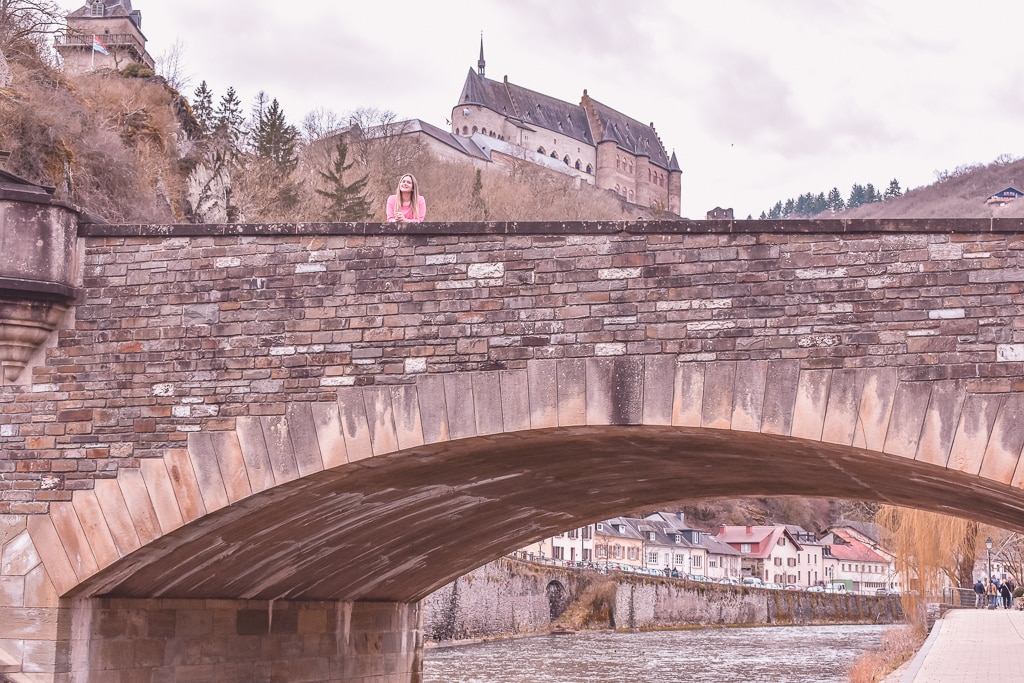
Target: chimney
(4,156)
(721,529)
(750,530)
(681,516)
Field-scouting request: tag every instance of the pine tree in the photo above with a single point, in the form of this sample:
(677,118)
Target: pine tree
(202,108)
(347,201)
(228,118)
(835,200)
(871,194)
(858,196)
(273,137)
(893,190)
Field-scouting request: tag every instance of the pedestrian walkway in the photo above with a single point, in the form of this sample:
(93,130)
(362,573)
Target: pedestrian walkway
(971,646)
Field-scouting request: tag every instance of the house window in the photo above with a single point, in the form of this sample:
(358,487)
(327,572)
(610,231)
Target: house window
(781,541)
(618,552)
(713,562)
(744,547)
(778,561)
(587,532)
(791,561)
(574,533)
(680,560)
(587,555)
(695,560)
(97,9)
(650,535)
(652,558)
(602,551)
(632,553)
(558,552)
(600,526)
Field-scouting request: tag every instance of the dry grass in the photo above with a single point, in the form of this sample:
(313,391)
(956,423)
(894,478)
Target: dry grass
(960,193)
(898,646)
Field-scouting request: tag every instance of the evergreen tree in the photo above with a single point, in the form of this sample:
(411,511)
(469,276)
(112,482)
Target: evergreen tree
(347,201)
(871,194)
(820,204)
(228,119)
(273,137)
(835,201)
(893,190)
(788,208)
(776,211)
(202,108)
(858,196)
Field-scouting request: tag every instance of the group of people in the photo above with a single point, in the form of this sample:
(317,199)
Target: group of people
(994,593)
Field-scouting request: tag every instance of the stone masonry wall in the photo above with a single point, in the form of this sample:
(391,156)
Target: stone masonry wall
(507,598)
(185,328)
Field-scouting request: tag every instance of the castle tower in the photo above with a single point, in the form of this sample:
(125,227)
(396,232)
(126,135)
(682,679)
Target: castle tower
(99,27)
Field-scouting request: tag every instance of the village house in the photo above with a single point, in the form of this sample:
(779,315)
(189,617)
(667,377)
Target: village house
(853,562)
(103,34)
(774,555)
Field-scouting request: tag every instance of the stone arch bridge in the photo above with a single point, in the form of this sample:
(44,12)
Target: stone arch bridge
(246,452)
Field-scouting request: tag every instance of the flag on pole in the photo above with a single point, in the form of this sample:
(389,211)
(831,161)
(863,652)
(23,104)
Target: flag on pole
(97,46)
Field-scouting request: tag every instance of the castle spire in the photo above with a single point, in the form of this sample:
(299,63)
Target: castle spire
(480,62)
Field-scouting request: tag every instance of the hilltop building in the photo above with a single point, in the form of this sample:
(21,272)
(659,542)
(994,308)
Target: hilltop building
(103,34)
(503,123)
(600,145)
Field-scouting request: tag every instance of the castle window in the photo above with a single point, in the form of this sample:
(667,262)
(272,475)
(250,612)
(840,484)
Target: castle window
(565,160)
(465,131)
(540,150)
(578,164)
(554,154)
(474,129)
(484,131)
(590,169)
(631,195)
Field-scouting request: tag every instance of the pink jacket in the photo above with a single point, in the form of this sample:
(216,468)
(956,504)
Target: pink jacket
(393,208)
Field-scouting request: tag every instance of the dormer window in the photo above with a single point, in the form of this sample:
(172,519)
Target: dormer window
(679,538)
(650,535)
(97,8)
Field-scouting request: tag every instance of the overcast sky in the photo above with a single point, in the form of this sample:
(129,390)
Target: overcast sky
(760,101)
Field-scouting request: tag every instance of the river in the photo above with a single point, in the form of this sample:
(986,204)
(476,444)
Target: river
(782,654)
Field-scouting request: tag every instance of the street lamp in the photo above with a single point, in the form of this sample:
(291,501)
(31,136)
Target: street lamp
(988,547)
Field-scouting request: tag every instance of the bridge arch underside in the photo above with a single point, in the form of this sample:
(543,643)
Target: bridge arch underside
(398,526)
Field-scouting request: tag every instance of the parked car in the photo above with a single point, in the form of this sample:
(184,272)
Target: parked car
(794,587)
(753,581)
(815,589)
(698,577)
(887,591)
(773,586)
(729,581)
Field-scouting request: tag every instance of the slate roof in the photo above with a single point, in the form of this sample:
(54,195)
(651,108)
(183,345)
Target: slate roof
(113,8)
(526,107)
(631,135)
(763,537)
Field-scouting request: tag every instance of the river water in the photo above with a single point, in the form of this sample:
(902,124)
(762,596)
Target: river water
(782,654)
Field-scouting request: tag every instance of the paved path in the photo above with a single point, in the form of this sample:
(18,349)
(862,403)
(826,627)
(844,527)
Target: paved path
(971,646)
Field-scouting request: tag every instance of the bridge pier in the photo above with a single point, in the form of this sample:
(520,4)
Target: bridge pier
(116,640)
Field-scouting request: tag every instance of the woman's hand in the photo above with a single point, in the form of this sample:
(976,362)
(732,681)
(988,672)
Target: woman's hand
(400,216)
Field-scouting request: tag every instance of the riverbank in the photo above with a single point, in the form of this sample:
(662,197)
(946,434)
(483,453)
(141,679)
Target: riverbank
(508,598)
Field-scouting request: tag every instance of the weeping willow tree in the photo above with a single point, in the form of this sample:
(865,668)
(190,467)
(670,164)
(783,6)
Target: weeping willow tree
(932,551)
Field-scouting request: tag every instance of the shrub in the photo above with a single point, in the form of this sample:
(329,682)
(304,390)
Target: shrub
(135,70)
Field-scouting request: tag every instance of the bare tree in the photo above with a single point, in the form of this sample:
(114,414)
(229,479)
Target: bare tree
(171,66)
(25,24)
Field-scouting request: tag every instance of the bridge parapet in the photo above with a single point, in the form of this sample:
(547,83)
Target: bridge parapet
(180,329)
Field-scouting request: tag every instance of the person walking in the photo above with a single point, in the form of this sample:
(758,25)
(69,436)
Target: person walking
(979,593)
(993,594)
(1006,594)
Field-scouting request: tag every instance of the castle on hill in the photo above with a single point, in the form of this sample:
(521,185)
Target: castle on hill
(603,146)
(503,123)
(103,34)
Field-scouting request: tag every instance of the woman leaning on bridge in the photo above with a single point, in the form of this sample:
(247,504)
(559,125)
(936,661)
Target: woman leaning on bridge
(407,205)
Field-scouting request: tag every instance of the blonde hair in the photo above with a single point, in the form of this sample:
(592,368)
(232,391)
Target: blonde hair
(414,197)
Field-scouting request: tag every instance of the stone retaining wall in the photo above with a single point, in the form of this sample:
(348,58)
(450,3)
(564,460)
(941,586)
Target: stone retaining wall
(507,598)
